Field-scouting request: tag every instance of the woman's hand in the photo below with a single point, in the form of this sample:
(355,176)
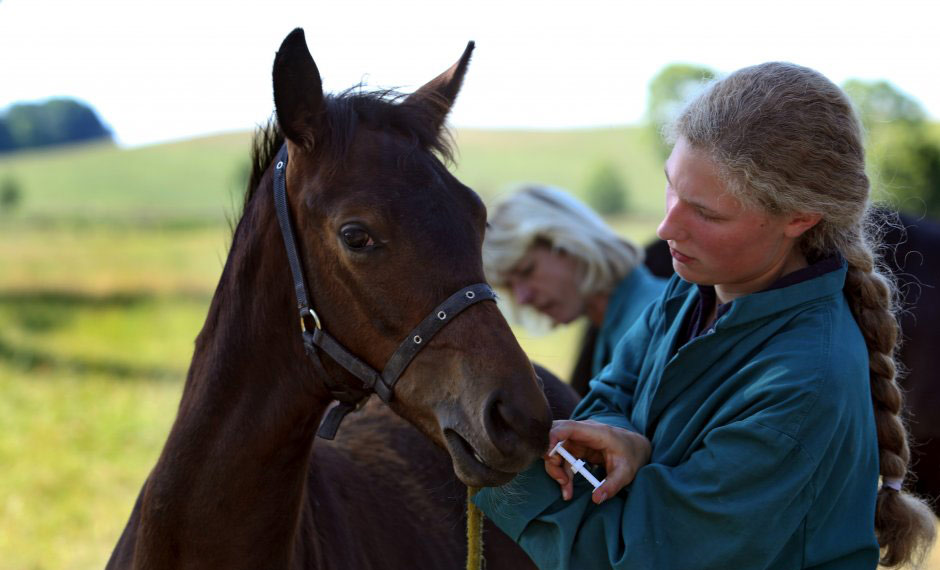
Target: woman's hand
(621,452)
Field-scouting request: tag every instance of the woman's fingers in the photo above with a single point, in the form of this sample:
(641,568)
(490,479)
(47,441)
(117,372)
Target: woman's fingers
(621,451)
(585,440)
(582,432)
(633,452)
(556,470)
(561,473)
(621,475)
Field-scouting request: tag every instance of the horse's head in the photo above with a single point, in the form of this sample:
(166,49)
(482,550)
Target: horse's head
(385,234)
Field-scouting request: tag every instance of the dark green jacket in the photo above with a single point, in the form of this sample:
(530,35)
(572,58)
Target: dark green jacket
(764,451)
(626,304)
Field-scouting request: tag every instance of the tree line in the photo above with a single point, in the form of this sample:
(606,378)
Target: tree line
(50,123)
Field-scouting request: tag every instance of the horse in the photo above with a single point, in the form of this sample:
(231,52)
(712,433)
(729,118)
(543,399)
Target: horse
(384,234)
(910,251)
(912,254)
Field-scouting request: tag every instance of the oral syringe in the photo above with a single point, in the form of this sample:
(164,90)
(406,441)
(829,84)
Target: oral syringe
(577,465)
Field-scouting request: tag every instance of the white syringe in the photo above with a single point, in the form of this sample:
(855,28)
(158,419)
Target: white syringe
(577,465)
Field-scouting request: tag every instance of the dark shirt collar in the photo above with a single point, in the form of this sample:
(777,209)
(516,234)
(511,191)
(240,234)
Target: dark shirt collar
(696,325)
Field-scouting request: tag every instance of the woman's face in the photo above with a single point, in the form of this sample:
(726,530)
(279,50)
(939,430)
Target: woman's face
(548,280)
(714,239)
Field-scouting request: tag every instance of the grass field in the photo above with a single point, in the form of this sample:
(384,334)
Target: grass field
(106,271)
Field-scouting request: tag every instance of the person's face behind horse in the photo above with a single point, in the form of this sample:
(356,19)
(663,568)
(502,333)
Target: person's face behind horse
(715,240)
(549,281)
(387,233)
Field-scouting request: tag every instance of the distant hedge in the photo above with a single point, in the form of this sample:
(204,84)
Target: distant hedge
(51,123)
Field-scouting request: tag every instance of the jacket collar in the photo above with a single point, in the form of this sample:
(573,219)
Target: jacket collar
(821,280)
(625,293)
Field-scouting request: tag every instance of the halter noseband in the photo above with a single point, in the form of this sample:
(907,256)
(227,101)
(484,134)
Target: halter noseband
(314,337)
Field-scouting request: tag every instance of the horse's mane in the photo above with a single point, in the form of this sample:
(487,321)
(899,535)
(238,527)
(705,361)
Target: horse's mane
(265,144)
(345,112)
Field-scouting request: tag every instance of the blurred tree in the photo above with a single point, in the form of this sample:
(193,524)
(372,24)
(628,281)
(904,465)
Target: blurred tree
(21,121)
(907,169)
(6,139)
(668,92)
(904,158)
(606,191)
(10,195)
(879,102)
(54,122)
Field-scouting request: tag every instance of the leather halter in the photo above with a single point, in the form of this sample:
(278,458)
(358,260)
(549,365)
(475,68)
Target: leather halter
(314,337)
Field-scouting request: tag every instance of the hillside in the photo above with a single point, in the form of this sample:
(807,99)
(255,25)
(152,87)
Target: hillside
(200,181)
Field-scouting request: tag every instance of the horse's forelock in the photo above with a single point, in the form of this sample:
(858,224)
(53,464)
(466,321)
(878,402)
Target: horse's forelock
(345,112)
(384,110)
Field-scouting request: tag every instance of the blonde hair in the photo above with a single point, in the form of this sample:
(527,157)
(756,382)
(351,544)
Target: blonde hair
(536,214)
(787,140)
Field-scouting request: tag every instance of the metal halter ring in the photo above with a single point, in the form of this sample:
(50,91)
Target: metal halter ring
(441,315)
(417,339)
(316,320)
(470,294)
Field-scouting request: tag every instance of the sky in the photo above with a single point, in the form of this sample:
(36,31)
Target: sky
(168,70)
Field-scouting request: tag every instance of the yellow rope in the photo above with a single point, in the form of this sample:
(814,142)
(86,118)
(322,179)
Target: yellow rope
(474,532)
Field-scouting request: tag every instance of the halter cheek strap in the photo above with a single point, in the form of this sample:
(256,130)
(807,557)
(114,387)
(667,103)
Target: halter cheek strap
(316,339)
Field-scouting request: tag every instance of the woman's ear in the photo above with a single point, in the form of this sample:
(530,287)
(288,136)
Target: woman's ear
(800,222)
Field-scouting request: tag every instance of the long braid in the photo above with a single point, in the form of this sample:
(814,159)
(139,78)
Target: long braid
(904,525)
(787,140)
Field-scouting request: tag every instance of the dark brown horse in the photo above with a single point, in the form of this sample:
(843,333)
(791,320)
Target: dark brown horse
(913,255)
(384,234)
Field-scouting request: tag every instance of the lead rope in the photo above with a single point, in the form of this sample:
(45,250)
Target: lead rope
(474,532)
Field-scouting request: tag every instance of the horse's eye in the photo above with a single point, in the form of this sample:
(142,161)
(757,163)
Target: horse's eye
(355,237)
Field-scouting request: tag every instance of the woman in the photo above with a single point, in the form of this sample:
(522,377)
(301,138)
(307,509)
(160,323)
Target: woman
(556,256)
(745,419)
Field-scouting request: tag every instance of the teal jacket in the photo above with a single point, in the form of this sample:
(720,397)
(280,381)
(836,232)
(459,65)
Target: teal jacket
(764,451)
(634,292)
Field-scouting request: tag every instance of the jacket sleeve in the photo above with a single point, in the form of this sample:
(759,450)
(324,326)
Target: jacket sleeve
(728,506)
(610,399)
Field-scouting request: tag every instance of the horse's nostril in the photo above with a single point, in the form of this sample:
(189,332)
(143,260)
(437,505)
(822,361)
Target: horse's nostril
(498,423)
(517,426)
(504,425)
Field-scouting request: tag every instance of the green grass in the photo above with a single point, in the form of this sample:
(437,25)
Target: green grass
(107,258)
(188,182)
(75,450)
(96,331)
(122,336)
(202,181)
(492,162)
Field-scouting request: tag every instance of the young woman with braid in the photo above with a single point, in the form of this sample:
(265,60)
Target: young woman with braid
(750,417)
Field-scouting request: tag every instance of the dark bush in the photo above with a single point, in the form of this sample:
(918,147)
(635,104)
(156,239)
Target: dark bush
(10,195)
(606,191)
(54,122)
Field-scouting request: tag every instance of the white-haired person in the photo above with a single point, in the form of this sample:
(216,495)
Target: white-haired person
(555,255)
(752,418)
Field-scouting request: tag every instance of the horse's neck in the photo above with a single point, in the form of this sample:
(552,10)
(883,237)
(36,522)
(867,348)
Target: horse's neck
(236,461)
(249,351)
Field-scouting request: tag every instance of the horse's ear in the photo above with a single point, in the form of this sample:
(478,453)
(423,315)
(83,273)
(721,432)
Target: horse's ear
(298,91)
(437,96)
